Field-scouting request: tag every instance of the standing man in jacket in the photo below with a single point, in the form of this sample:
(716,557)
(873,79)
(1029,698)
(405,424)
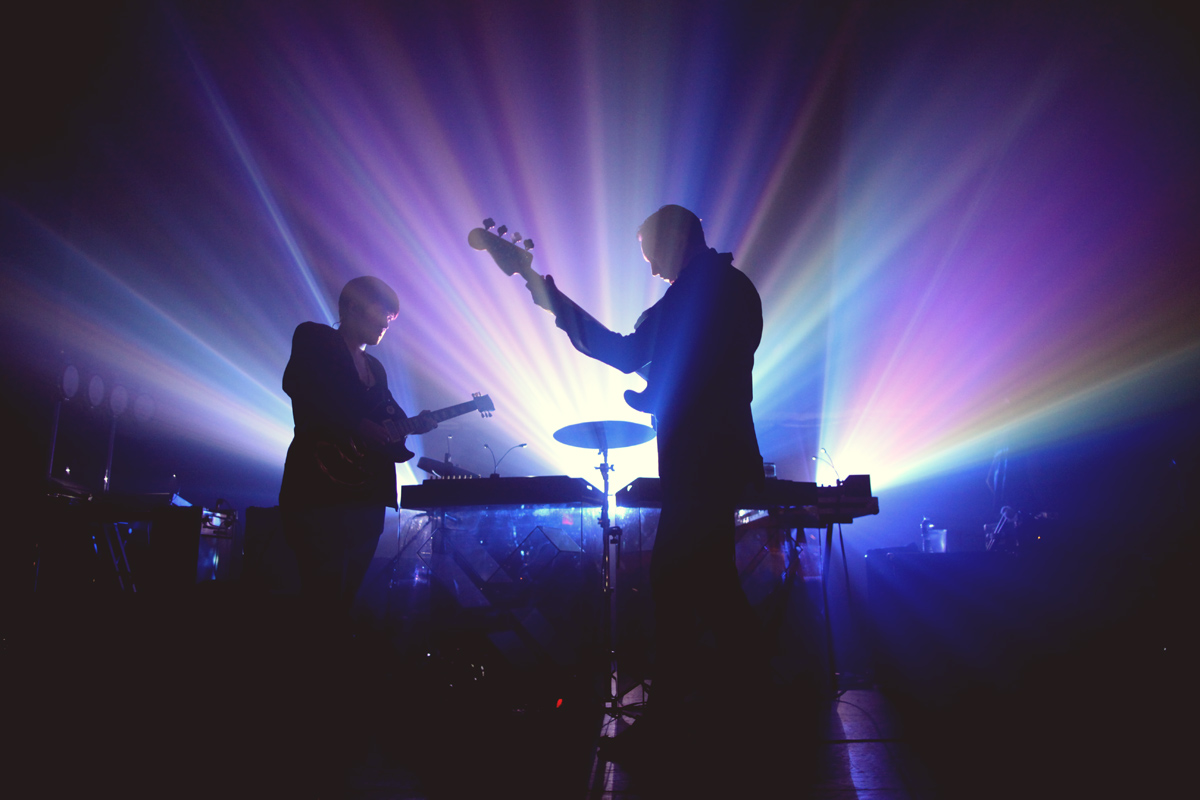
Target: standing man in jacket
(695,347)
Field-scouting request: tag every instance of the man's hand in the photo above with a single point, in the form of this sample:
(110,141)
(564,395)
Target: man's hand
(543,291)
(423,422)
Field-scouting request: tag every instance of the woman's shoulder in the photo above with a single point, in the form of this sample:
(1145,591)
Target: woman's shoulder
(313,330)
(314,334)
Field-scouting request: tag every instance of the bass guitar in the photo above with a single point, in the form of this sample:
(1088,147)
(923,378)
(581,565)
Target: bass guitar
(343,461)
(514,256)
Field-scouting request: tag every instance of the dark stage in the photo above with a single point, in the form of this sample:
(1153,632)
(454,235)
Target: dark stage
(1060,669)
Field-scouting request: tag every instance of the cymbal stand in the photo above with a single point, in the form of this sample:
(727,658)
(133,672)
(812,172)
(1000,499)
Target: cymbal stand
(610,563)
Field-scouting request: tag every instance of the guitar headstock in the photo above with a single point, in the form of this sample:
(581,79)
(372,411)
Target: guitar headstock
(483,404)
(512,254)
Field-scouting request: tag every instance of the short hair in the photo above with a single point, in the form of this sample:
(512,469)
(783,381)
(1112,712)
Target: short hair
(364,290)
(672,223)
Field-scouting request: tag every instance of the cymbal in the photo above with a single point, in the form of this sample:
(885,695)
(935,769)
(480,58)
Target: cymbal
(606,435)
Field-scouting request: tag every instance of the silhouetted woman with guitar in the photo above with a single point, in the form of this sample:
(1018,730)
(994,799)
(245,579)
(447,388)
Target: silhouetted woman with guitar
(340,474)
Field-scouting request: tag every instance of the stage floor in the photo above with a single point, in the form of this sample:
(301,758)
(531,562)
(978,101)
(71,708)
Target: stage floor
(221,694)
(861,753)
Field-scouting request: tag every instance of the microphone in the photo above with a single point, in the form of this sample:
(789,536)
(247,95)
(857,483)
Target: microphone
(495,463)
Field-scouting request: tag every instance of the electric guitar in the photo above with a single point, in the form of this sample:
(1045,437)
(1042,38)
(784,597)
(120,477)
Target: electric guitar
(343,461)
(514,256)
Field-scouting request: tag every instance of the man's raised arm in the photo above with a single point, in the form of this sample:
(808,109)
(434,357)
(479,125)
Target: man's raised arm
(587,334)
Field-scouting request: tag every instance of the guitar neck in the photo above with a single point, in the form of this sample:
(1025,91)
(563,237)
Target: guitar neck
(450,412)
(527,272)
(508,256)
(441,415)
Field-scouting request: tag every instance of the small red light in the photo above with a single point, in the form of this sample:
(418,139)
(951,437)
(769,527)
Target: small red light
(559,703)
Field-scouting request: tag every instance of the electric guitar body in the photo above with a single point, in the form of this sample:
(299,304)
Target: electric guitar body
(344,462)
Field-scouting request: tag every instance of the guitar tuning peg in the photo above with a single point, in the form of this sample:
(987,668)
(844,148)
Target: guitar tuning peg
(516,238)
(529,244)
(489,223)
(503,229)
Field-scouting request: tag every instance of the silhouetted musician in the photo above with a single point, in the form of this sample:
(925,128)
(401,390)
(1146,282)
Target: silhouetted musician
(695,347)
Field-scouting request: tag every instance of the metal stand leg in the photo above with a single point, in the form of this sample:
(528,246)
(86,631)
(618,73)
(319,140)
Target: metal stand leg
(611,561)
(825,565)
(116,552)
(610,565)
